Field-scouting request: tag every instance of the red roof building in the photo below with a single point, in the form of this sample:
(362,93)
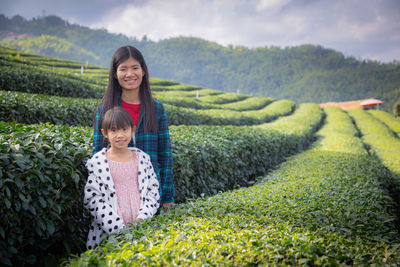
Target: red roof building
(370,103)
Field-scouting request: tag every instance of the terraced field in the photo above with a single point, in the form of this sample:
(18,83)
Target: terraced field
(259,181)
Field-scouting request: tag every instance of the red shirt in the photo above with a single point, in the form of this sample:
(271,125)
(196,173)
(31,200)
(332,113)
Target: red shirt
(133,109)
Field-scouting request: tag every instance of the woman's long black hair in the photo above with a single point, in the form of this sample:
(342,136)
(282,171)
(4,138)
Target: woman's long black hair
(114,90)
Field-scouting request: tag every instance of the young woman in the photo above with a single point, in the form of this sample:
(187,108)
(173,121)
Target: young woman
(129,87)
(122,186)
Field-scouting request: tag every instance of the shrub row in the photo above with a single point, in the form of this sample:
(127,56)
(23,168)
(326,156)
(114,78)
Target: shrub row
(162,82)
(223,98)
(391,121)
(174,87)
(251,103)
(380,138)
(193,94)
(42,167)
(321,207)
(69,69)
(34,80)
(35,108)
(96,74)
(343,136)
(41,178)
(186,116)
(209,159)
(185,102)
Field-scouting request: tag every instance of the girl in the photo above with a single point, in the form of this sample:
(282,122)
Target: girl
(122,186)
(129,87)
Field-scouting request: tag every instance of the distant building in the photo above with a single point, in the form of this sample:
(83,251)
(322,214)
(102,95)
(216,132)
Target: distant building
(369,103)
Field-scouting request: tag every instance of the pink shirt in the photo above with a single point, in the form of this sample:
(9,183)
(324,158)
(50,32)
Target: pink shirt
(125,178)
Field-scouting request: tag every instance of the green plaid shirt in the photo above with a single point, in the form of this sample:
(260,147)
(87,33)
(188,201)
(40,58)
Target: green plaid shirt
(156,145)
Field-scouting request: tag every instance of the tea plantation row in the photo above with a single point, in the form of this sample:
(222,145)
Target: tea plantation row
(42,174)
(35,108)
(325,206)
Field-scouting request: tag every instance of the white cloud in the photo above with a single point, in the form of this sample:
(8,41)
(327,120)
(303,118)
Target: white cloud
(355,27)
(271,5)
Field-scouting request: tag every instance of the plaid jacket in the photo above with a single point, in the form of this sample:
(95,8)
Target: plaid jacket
(156,145)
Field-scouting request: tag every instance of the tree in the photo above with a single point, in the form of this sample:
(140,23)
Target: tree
(396,108)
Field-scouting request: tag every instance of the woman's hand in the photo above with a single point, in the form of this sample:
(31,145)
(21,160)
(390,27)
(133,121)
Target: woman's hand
(165,206)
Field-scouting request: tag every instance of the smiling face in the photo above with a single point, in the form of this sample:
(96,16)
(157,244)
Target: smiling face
(130,74)
(119,138)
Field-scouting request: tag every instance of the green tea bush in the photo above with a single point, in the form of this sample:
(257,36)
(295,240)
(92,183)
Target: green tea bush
(162,82)
(210,159)
(184,102)
(342,134)
(69,69)
(34,80)
(180,93)
(187,116)
(174,87)
(41,182)
(207,160)
(272,111)
(321,207)
(251,103)
(396,108)
(392,122)
(34,108)
(223,98)
(382,140)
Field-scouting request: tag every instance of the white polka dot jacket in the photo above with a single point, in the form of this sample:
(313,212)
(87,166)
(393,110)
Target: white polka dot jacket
(100,198)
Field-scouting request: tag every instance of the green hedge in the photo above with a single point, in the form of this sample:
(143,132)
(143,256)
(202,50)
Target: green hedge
(223,98)
(251,103)
(163,86)
(207,160)
(34,108)
(41,182)
(321,207)
(392,122)
(382,140)
(33,80)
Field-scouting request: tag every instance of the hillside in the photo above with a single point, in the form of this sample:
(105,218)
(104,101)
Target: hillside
(305,73)
(259,181)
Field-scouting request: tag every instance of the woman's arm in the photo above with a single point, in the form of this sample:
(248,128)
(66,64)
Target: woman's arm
(98,138)
(149,193)
(165,161)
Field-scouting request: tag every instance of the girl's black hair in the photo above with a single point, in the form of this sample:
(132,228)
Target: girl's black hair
(114,90)
(117,118)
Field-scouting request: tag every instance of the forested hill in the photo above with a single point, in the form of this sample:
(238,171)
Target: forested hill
(306,73)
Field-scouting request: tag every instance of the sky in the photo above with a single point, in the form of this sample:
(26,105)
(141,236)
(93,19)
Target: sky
(364,29)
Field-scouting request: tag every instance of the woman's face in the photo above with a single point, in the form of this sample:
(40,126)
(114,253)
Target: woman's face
(130,74)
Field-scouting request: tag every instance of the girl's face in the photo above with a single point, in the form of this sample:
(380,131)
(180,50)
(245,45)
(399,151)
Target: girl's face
(130,74)
(119,138)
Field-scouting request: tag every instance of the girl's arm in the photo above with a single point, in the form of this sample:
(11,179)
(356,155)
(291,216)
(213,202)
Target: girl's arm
(96,202)
(149,193)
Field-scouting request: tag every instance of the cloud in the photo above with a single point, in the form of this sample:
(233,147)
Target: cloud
(355,27)
(271,5)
